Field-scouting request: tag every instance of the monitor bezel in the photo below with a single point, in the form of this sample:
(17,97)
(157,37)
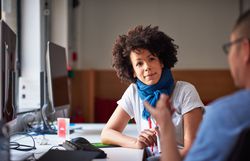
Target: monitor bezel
(52,47)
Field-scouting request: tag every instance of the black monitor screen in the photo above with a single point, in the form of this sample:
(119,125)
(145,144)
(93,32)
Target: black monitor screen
(57,76)
(8,68)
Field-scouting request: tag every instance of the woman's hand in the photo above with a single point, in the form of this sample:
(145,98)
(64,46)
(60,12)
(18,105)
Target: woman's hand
(146,138)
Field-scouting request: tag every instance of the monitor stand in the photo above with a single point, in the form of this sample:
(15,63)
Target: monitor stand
(45,128)
(46,109)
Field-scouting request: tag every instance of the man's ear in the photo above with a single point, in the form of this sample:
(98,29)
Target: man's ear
(246,50)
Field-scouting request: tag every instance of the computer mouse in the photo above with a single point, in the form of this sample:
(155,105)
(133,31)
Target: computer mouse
(83,144)
(80,140)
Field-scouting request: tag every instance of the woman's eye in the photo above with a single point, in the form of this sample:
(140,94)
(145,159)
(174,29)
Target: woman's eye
(152,58)
(139,64)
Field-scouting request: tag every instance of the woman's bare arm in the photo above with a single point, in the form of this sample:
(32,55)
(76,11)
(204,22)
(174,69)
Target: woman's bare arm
(191,122)
(112,132)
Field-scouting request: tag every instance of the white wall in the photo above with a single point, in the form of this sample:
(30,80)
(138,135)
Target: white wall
(32,55)
(199,27)
(59,22)
(246,5)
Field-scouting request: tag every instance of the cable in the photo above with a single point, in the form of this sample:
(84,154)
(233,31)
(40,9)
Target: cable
(56,147)
(22,147)
(28,119)
(44,127)
(47,127)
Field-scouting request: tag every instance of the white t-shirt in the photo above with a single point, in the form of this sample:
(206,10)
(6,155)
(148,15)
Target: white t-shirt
(184,99)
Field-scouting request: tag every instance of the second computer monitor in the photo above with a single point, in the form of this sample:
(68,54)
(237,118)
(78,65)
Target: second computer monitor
(57,77)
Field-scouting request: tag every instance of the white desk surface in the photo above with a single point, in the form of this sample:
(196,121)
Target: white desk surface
(92,133)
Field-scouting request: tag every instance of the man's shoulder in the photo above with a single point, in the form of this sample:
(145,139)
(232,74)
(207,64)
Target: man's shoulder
(240,97)
(233,106)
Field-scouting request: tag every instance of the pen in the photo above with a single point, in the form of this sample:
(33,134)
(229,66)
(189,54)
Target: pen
(158,139)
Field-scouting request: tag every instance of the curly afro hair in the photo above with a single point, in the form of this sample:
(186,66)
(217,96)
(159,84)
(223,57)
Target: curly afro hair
(149,38)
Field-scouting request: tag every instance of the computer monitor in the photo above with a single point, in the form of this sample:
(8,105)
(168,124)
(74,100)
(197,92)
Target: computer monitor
(8,72)
(57,77)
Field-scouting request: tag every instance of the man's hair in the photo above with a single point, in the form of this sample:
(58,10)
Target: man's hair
(242,25)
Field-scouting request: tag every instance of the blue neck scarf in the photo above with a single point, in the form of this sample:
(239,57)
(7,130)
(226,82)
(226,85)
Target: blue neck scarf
(152,93)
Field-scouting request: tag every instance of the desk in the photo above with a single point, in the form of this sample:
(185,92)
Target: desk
(92,133)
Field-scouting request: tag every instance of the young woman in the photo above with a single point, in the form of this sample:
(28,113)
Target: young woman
(144,57)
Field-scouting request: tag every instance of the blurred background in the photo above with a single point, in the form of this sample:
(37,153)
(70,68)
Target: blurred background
(88,29)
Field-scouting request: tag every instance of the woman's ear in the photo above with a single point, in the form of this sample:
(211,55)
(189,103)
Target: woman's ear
(162,65)
(134,75)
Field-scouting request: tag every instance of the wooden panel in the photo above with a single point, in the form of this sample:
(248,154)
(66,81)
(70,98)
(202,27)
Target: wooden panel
(108,85)
(82,93)
(210,84)
(89,84)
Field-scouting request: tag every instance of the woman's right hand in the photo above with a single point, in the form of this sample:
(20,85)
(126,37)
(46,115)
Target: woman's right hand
(146,138)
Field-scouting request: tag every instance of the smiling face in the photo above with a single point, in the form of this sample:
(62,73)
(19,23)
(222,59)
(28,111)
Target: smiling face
(147,67)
